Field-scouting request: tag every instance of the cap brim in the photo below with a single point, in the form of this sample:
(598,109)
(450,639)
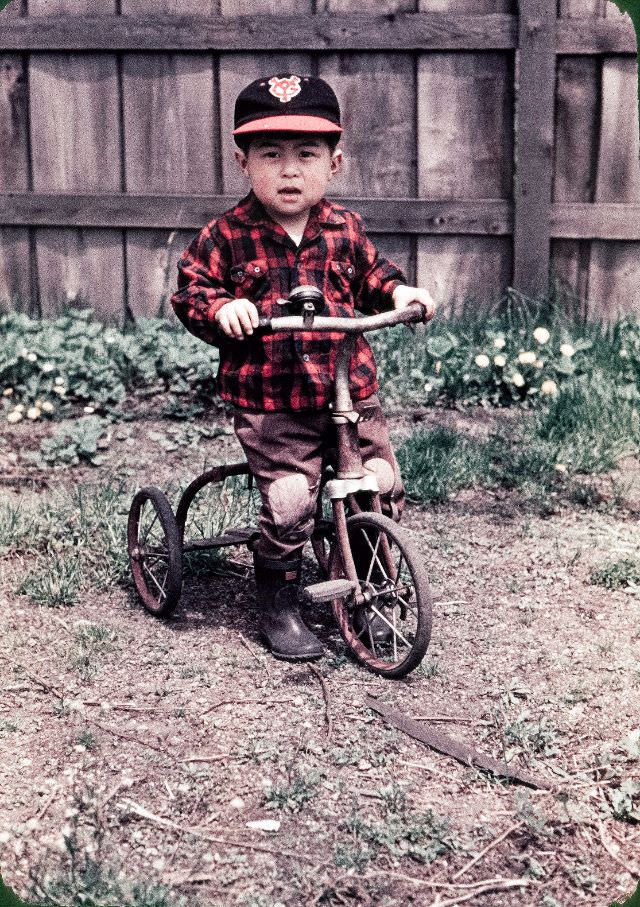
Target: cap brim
(289,123)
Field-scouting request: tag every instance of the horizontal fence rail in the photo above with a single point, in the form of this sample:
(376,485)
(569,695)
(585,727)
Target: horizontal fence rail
(352,32)
(493,217)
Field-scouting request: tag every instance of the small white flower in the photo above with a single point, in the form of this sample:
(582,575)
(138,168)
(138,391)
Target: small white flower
(437,367)
(48,406)
(88,410)
(567,350)
(24,352)
(34,412)
(47,367)
(624,354)
(482,361)
(237,803)
(31,357)
(548,388)
(499,361)
(14,416)
(7,392)
(19,408)
(527,358)
(499,343)
(541,335)
(58,380)
(560,467)
(538,363)
(517,379)
(59,390)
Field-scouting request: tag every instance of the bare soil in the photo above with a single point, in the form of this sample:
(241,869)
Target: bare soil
(153,751)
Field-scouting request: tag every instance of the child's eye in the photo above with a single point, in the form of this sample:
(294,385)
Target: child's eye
(307,154)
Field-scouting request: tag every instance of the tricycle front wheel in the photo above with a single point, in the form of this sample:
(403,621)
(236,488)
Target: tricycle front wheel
(155,551)
(389,631)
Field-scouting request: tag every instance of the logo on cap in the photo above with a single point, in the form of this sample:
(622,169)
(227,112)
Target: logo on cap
(284,88)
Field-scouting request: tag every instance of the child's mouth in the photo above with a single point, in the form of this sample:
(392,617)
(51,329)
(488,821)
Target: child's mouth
(289,191)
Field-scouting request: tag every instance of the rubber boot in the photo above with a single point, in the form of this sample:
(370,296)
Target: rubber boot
(286,634)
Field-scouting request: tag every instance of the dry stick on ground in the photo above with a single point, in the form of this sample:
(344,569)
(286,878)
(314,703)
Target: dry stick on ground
(130,738)
(485,851)
(48,687)
(261,662)
(430,883)
(227,842)
(632,870)
(459,899)
(214,757)
(442,718)
(327,699)
(262,699)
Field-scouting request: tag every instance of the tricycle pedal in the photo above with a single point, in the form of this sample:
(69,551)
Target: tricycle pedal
(329,589)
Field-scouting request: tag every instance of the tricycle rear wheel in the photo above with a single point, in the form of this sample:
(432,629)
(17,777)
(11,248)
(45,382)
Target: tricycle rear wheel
(155,551)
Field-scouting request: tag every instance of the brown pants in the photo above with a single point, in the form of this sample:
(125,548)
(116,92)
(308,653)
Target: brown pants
(286,453)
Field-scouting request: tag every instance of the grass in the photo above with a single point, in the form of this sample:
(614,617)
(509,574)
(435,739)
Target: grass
(582,431)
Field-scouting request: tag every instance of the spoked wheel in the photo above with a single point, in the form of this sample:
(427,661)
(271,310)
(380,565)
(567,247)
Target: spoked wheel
(155,551)
(390,631)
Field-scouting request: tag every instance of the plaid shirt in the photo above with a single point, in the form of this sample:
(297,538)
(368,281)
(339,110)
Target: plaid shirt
(244,254)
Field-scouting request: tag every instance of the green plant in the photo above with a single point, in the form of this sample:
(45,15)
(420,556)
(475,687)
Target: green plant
(74,443)
(617,574)
(295,792)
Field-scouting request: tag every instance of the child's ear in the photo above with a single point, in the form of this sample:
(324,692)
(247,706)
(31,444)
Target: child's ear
(336,161)
(241,159)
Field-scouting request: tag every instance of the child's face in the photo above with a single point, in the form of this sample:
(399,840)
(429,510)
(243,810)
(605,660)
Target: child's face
(289,175)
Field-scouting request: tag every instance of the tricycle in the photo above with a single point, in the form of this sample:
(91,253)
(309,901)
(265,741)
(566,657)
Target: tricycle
(372,573)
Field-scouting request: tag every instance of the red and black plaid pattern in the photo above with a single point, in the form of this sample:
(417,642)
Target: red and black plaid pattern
(245,254)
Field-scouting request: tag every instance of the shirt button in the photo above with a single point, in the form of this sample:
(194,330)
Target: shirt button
(306,357)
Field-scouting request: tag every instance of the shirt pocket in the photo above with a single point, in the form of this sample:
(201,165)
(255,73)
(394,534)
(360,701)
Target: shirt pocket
(250,279)
(340,277)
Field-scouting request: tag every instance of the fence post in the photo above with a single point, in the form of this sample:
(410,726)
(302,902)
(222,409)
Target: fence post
(534,145)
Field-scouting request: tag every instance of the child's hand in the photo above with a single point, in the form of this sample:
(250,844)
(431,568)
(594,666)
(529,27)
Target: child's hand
(237,319)
(404,296)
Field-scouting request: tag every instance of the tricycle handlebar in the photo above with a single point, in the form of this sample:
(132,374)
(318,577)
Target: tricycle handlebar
(323,324)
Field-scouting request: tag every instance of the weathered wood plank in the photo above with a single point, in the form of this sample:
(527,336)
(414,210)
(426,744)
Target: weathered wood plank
(383,215)
(169,136)
(277,32)
(377,94)
(237,70)
(534,147)
(465,130)
(15,266)
(595,36)
(614,278)
(75,146)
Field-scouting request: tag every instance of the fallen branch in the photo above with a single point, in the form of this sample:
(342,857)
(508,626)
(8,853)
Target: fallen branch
(47,687)
(442,718)
(463,752)
(327,700)
(430,883)
(486,850)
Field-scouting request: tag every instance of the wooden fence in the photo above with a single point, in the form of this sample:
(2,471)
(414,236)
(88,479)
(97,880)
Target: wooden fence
(487,142)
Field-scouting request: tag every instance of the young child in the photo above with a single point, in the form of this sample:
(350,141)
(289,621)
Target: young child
(284,234)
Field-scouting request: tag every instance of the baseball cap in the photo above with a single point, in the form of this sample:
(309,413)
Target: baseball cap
(287,103)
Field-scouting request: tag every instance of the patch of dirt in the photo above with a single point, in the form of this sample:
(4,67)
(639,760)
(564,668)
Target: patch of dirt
(155,745)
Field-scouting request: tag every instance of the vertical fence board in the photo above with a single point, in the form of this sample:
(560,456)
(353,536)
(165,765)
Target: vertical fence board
(534,146)
(614,279)
(377,94)
(465,136)
(577,113)
(15,269)
(81,92)
(237,70)
(169,138)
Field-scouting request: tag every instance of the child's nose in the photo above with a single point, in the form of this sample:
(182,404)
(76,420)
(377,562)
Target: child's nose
(290,166)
